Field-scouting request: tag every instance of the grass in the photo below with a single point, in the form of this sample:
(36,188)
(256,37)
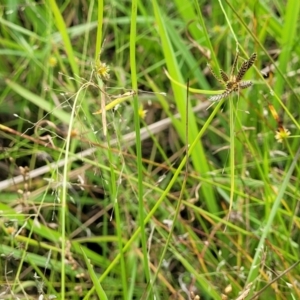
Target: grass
(100,200)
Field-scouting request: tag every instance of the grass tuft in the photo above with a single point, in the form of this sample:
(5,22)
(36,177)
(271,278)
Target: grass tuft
(119,179)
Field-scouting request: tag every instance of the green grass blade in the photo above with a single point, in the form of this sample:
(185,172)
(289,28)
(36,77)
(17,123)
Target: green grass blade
(60,23)
(198,157)
(288,38)
(254,270)
(40,102)
(99,290)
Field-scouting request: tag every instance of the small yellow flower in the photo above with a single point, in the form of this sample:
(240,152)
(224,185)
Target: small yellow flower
(52,61)
(102,69)
(282,134)
(142,112)
(11,230)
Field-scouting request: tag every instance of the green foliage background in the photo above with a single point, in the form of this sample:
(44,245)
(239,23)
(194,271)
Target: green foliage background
(112,208)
